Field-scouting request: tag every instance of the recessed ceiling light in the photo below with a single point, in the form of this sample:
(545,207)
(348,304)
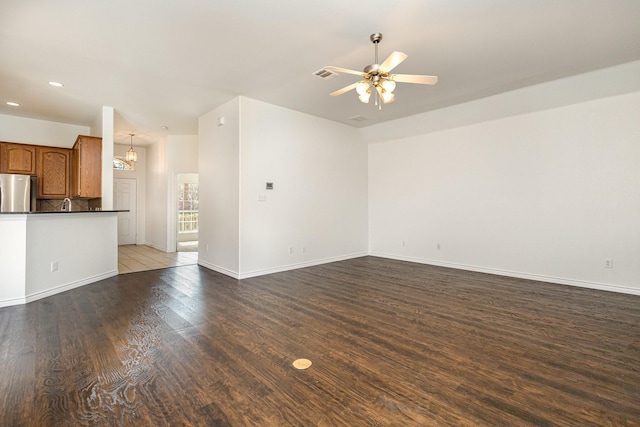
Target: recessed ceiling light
(56,84)
(164,127)
(13,104)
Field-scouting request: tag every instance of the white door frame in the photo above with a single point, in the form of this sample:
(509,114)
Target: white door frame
(172,217)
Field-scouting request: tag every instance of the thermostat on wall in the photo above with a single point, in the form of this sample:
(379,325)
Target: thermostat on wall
(269,185)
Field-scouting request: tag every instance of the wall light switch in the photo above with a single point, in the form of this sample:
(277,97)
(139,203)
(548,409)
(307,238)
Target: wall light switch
(262,197)
(220,121)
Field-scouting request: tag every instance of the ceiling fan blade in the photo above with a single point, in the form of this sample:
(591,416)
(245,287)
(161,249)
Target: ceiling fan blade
(412,78)
(345,89)
(344,70)
(392,61)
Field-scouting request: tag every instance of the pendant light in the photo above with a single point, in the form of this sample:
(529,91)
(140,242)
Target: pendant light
(132,156)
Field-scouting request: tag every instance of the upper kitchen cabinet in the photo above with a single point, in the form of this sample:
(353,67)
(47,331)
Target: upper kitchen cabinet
(53,171)
(86,171)
(17,158)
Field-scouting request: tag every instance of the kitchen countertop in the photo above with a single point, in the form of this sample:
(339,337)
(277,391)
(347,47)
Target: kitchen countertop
(59,212)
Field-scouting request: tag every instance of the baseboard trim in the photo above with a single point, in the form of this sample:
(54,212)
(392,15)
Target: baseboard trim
(296,266)
(163,249)
(509,273)
(279,269)
(63,288)
(12,301)
(218,269)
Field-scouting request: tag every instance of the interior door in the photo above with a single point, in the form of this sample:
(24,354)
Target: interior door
(124,197)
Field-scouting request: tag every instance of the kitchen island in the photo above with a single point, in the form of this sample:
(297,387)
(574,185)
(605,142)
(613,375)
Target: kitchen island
(45,253)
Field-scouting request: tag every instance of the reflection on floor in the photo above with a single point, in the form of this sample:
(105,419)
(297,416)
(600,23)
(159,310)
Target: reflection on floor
(133,258)
(191,246)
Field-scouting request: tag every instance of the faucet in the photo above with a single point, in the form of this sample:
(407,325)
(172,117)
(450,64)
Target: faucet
(65,206)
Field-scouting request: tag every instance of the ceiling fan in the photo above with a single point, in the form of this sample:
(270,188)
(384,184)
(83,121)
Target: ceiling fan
(378,77)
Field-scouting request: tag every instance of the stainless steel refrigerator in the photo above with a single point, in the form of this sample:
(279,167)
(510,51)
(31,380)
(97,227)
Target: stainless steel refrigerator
(17,193)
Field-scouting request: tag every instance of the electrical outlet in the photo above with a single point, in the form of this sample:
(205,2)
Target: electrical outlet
(290,249)
(304,249)
(608,263)
(54,266)
(404,243)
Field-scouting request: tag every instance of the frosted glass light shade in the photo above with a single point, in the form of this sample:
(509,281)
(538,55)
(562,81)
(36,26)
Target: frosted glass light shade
(362,87)
(388,85)
(131,156)
(387,97)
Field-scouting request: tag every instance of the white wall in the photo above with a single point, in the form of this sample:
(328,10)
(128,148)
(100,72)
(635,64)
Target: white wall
(85,246)
(186,178)
(183,153)
(39,132)
(139,174)
(156,195)
(13,258)
(105,131)
(219,184)
(549,194)
(319,202)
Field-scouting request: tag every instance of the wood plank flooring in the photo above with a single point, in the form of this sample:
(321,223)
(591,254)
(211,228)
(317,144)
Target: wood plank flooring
(392,344)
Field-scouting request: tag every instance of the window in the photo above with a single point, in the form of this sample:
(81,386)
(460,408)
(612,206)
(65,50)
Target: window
(119,163)
(188,208)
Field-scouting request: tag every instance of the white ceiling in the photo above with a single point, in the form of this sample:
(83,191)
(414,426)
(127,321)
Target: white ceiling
(165,63)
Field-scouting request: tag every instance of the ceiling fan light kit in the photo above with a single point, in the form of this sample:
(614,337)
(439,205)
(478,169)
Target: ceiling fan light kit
(377,77)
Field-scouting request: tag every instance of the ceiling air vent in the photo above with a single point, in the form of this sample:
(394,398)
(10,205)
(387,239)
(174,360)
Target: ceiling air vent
(325,74)
(358,119)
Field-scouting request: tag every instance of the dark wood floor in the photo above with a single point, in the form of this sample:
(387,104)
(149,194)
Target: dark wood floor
(392,344)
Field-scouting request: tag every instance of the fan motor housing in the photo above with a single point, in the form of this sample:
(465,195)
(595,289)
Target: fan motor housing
(375,37)
(371,69)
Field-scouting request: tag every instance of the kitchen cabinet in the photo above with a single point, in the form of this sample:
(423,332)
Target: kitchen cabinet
(86,170)
(17,158)
(53,167)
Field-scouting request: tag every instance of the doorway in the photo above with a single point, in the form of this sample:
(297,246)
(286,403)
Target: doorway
(187,228)
(124,198)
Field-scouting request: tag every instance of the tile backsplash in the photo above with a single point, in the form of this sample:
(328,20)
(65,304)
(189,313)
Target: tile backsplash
(55,205)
